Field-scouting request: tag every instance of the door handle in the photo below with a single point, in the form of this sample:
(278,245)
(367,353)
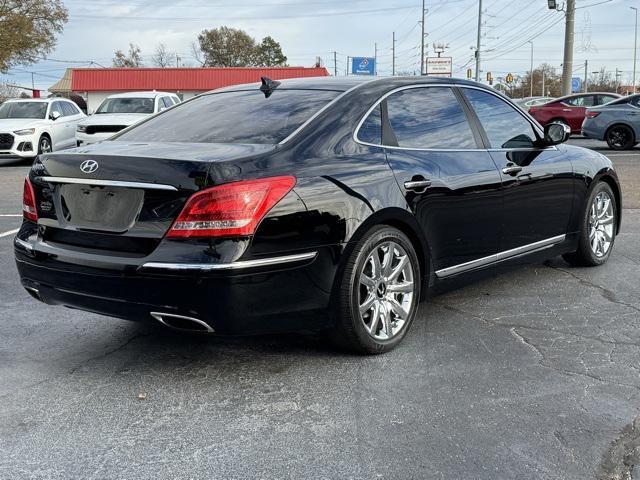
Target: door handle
(417,184)
(511,169)
(566,109)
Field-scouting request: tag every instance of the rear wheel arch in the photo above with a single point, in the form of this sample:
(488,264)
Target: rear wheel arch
(621,124)
(407,224)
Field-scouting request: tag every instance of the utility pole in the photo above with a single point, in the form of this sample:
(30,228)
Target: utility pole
(567,64)
(635,50)
(346,68)
(478,42)
(335,63)
(531,79)
(422,43)
(33,83)
(543,94)
(393,53)
(618,77)
(586,75)
(177,61)
(375,59)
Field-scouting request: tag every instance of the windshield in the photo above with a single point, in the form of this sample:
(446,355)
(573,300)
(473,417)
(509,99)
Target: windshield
(233,117)
(23,110)
(126,105)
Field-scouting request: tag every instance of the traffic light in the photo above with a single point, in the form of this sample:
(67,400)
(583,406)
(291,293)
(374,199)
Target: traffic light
(509,78)
(489,78)
(469,73)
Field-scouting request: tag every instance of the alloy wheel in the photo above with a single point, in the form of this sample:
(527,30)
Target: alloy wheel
(45,145)
(601,224)
(619,138)
(386,290)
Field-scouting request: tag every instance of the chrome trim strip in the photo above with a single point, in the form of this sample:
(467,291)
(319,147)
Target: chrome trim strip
(159,317)
(500,256)
(206,267)
(108,183)
(23,244)
(449,85)
(321,111)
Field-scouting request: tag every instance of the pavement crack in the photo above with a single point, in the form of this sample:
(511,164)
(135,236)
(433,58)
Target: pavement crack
(605,292)
(106,354)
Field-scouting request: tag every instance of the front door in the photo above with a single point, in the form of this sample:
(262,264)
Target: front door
(450,182)
(537,181)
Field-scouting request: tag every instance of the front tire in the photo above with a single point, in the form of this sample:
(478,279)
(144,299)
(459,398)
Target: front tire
(598,229)
(44,145)
(379,292)
(620,137)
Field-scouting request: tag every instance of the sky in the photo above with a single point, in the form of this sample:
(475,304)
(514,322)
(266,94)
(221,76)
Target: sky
(604,33)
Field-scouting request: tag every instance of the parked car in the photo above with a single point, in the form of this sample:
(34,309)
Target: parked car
(617,123)
(316,203)
(117,112)
(32,126)
(570,110)
(529,102)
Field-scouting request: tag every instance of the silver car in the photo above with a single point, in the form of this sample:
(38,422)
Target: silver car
(617,123)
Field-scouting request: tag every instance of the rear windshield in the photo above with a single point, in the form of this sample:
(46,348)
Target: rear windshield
(126,105)
(233,117)
(23,110)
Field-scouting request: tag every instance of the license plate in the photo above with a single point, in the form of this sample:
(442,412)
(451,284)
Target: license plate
(108,209)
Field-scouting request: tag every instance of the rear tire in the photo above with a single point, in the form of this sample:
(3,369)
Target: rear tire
(620,137)
(598,229)
(378,294)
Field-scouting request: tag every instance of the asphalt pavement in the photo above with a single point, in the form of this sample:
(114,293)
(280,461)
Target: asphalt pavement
(528,373)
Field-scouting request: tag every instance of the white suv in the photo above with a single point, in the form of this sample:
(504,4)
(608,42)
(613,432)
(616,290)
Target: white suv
(32,126)
(119,111)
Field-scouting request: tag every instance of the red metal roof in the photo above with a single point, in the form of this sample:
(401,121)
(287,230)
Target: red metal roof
(179,79)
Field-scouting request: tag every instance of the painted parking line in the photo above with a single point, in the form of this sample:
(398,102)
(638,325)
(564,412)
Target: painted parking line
(10,232)
(10,214)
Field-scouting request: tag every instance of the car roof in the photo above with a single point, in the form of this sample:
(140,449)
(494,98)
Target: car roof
(40,100)
(145,94)
(574,95)
(343,84)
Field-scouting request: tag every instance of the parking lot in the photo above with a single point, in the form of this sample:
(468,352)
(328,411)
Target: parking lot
(528,373)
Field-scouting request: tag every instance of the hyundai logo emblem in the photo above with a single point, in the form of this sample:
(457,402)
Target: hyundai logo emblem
(89,166)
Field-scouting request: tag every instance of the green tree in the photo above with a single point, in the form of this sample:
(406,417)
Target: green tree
(28,30)
(227,47)
(269,54)
(131,60)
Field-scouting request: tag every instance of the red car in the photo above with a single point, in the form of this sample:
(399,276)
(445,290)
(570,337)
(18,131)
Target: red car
(571,109)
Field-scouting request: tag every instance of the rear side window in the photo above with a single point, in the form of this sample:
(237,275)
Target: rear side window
(606,99)
(371,129)
(233,117)
(429,117)
(585,101)
(504,125)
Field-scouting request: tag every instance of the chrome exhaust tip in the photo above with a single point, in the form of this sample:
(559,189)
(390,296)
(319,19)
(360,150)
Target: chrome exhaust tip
(182,323)
(34,292)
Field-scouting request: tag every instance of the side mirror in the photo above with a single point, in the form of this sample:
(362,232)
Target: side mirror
(54,116)
(90,112)
(162,109)
(556,133)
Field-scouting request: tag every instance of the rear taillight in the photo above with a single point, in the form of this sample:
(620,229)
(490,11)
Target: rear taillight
(233,209)
(29,211)
(592,114)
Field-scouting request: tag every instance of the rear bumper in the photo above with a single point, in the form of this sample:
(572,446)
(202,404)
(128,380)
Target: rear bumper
(589,132)
(243,298)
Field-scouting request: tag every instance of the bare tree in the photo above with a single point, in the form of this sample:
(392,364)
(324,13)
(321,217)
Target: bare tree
(162,57)
(8,91)
(131,60)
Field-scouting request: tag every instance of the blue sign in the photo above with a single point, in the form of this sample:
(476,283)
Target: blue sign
(363,66)
(576,84)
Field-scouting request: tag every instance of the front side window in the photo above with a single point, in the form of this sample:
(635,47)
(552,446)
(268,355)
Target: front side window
(166,101)
(23,110)
(233,117)
(57,107)
(126,105)
(68,110)
(504,125)
(429,117)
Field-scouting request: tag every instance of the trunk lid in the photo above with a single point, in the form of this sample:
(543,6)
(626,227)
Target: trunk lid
(122,196)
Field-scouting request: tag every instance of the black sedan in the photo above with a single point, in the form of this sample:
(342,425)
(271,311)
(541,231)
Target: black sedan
(309,204)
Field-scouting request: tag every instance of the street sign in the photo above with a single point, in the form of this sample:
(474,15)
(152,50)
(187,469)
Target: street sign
(363,66)
(576,84)
(439,66)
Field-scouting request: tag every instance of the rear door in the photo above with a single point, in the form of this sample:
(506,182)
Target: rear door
(576,109)
(537,181)
(450,182)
